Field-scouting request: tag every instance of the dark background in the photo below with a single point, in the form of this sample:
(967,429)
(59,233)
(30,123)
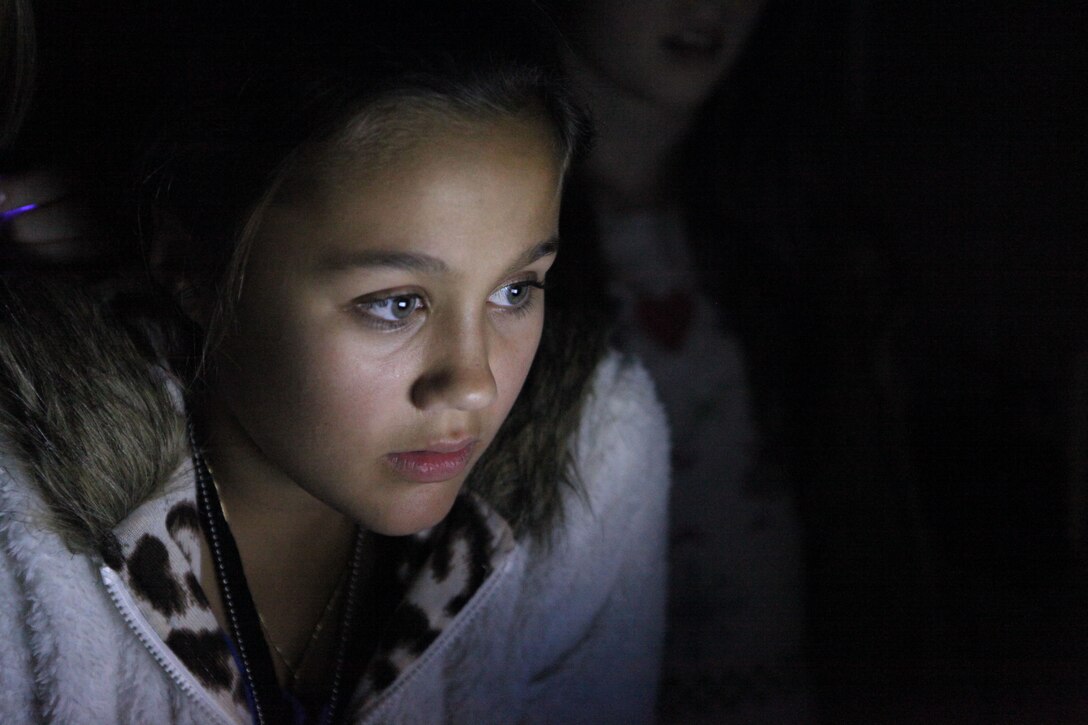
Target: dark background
(936,159)
(963,133)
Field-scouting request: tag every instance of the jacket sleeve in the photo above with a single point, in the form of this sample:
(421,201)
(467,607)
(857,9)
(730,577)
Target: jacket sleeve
(17,691)
(600,598)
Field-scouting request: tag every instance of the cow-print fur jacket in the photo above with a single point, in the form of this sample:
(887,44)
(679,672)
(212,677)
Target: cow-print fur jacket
(492,627)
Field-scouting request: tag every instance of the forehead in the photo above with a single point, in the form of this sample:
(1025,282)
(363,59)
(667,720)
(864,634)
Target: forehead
(449,190)
(385,135)
(392,130)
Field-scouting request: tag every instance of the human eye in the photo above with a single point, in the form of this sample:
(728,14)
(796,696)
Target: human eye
(516,296)
(392,311)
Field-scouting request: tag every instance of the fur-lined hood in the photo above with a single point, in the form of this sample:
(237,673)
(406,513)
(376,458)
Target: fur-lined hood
(87,404)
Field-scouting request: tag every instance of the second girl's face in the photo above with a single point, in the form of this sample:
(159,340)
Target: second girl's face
(671,53)
(387,323)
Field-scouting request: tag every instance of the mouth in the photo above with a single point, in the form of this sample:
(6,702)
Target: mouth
(439,461)
(695,44)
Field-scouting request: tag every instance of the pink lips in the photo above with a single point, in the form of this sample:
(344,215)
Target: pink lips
(439,462)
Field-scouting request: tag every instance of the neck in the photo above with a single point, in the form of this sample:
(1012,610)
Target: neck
(294,548)
(270,515)
(635,157)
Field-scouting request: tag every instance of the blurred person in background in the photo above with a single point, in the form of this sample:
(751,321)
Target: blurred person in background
(715,209)
(648,70)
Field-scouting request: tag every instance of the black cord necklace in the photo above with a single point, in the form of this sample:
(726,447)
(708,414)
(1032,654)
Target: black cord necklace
(269,705)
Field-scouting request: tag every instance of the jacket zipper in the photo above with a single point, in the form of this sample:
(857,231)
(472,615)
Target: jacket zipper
(158,649)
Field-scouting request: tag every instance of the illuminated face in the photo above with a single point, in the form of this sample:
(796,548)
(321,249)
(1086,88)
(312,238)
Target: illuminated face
(668,52)
(387,323)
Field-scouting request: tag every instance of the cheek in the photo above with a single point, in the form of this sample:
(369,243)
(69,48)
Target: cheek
(337,391)
(292,378)
(511,366)
(349,393)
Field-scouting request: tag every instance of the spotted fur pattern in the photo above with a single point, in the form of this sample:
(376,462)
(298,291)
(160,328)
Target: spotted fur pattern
(157,552)
(440,570)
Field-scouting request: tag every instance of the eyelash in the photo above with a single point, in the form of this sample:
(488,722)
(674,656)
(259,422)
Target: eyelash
(365,304)
(523,308)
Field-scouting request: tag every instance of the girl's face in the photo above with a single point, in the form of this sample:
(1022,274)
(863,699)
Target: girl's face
(669,52)
(387,322)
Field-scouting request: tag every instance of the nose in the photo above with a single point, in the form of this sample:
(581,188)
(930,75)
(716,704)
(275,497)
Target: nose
(459,373)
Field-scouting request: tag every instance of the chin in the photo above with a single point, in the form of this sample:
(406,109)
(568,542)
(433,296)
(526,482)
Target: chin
(413,511)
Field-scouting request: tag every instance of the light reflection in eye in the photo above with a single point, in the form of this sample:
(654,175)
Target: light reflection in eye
(515,294)
(393,309)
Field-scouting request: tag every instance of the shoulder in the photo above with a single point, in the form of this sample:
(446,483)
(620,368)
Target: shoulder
(58,631)
(63,629)
(618,507)
(590,601)
(620,376)
(622,446)
(86,411)
(32,550)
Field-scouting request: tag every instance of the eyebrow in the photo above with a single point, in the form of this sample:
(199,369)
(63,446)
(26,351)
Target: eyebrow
(535,252)
(425,263)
